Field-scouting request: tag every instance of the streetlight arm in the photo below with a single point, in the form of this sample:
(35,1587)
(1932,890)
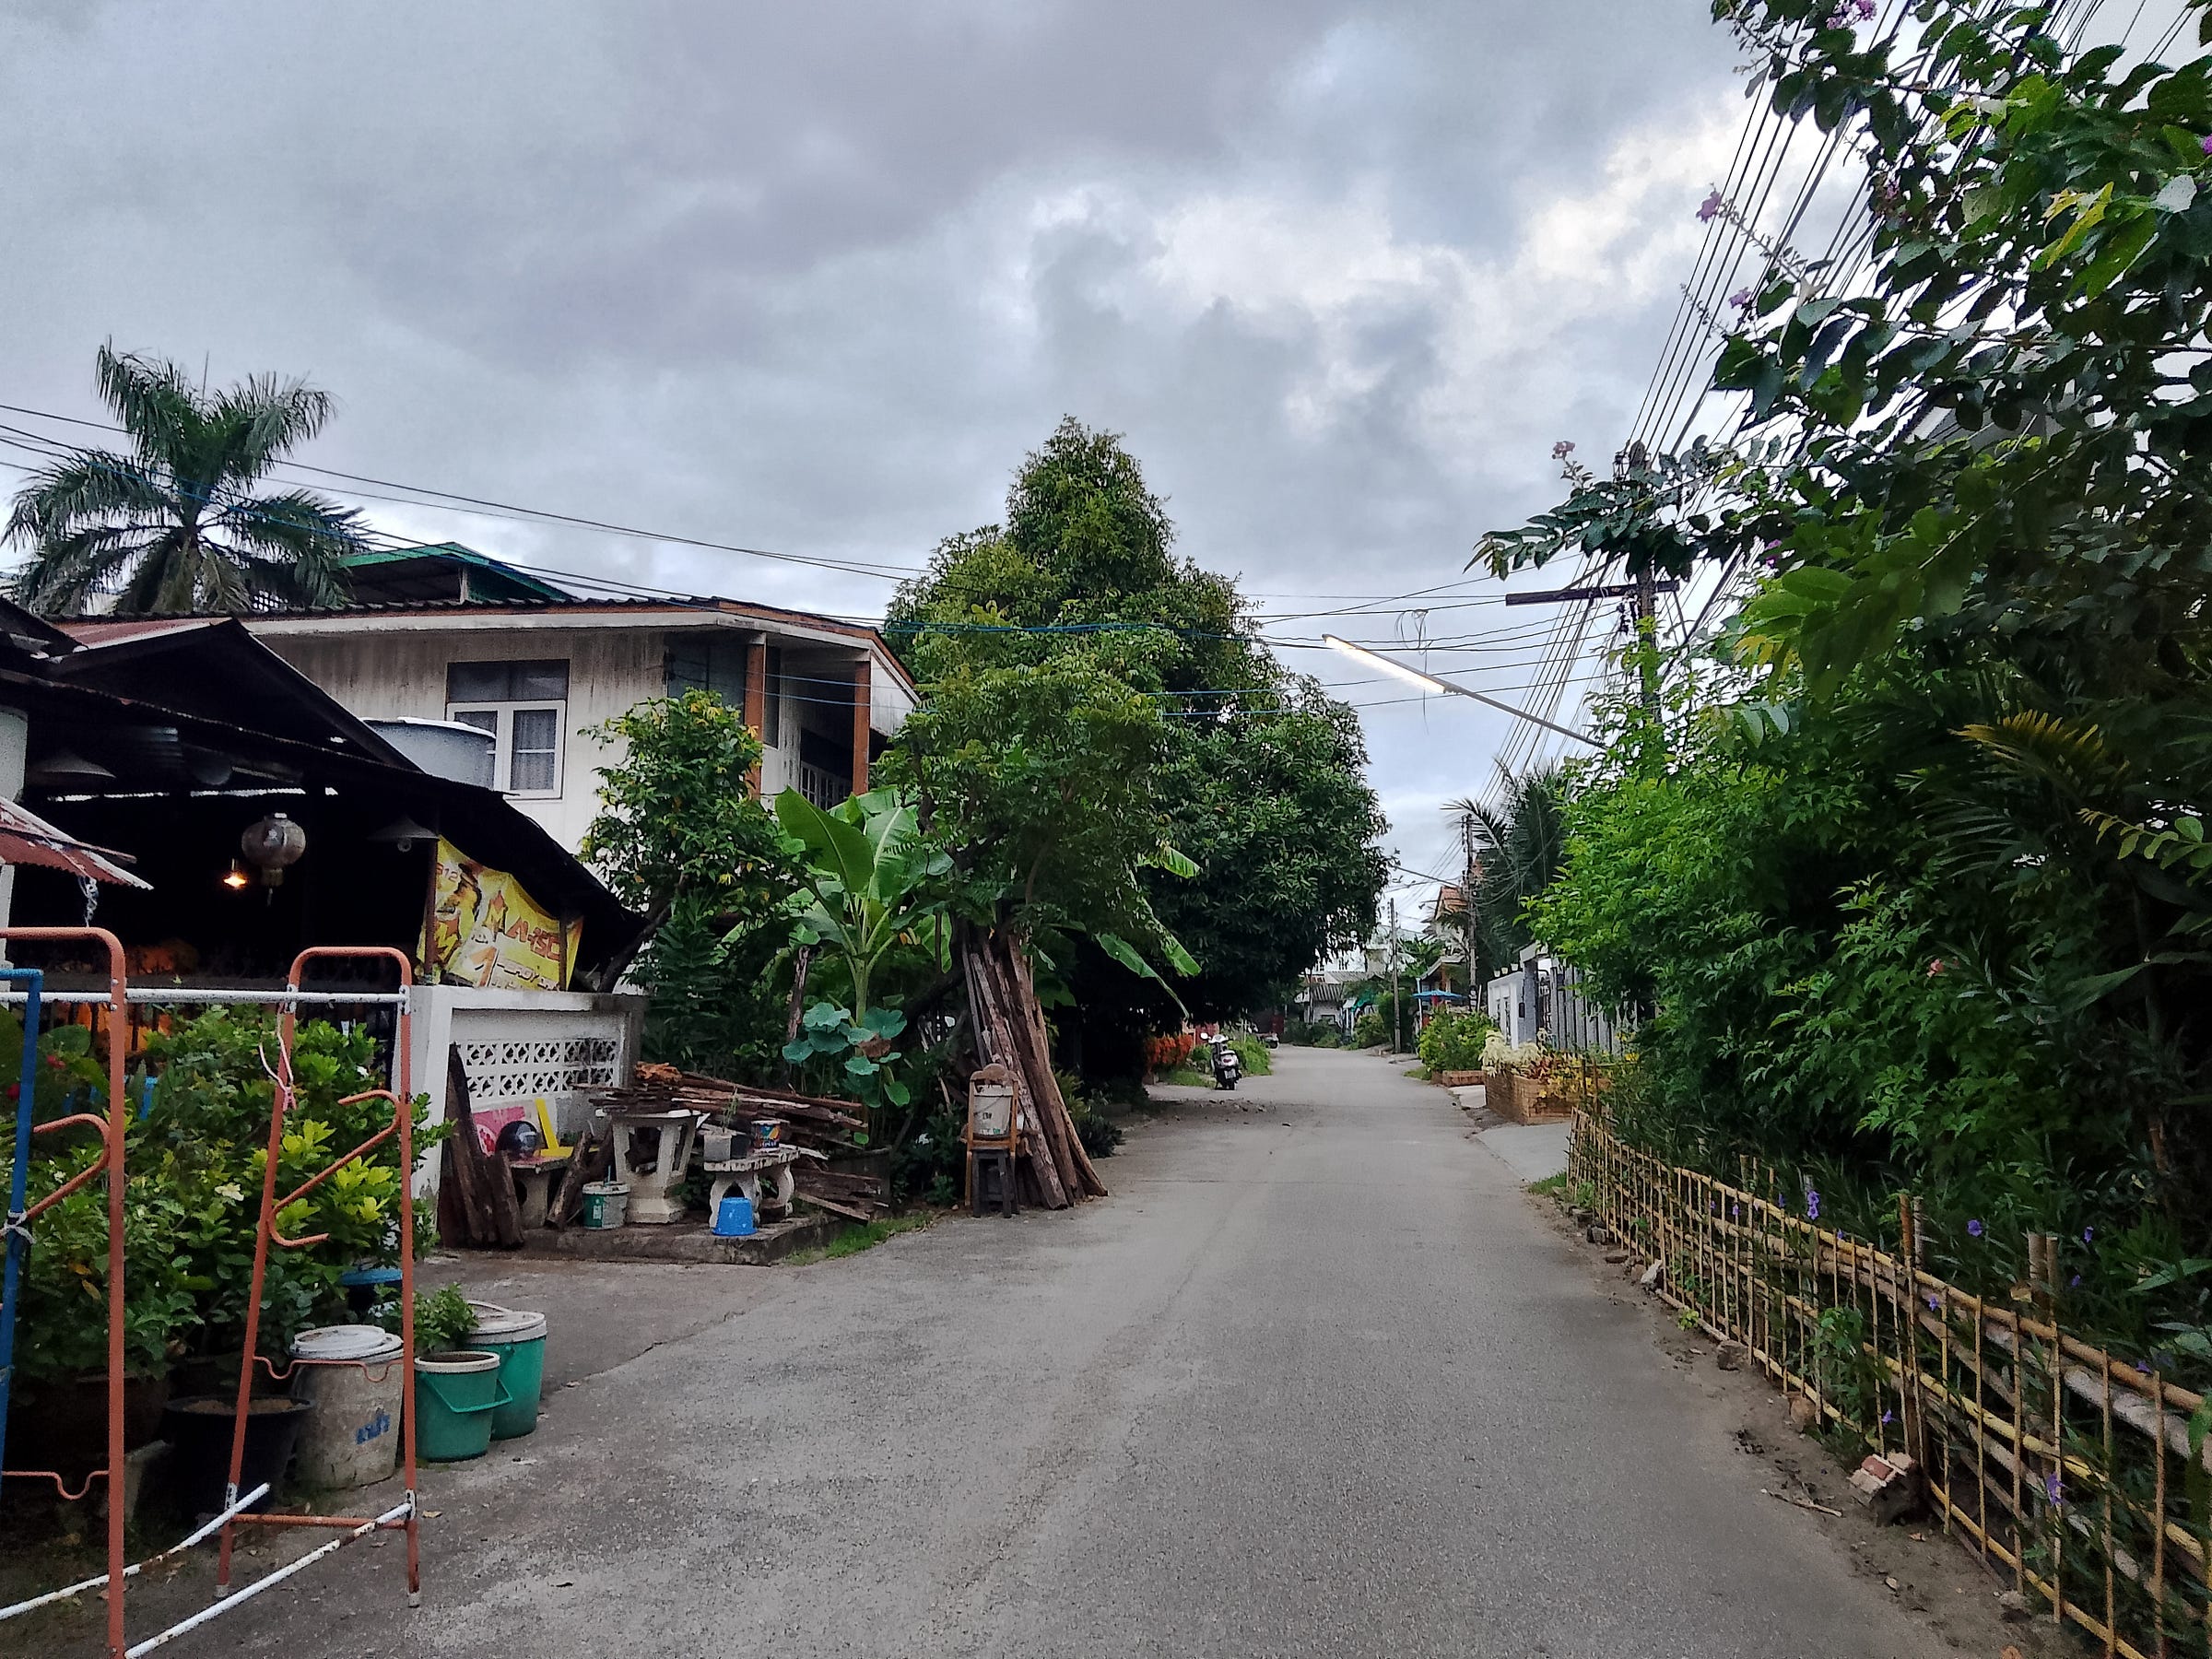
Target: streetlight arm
(1432,682)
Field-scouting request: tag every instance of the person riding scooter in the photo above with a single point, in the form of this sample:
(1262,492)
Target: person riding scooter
(1227,1069)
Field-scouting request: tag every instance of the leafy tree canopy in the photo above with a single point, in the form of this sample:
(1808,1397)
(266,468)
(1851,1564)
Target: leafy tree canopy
(1077,611)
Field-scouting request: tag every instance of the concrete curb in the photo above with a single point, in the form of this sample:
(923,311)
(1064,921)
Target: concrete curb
(683,1241)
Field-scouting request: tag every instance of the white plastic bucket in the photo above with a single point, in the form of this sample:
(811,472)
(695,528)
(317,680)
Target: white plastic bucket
(351,1438)
(605,1202)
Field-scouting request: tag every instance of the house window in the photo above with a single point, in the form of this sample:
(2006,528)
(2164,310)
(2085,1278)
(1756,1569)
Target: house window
(524,705)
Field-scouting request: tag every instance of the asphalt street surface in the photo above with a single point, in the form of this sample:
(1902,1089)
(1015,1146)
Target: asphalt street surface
(1318,1378)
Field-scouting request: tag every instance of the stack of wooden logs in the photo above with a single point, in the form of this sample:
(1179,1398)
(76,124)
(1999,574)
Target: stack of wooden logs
(811,1121)
(1010,1022)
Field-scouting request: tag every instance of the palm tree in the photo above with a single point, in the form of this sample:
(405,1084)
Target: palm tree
(176,526)
(1518,838)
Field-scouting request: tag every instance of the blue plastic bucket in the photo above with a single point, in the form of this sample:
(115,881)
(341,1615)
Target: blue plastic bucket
(734,1218)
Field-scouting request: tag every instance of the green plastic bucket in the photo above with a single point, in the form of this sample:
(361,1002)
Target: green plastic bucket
(518,1337)
(455,1395)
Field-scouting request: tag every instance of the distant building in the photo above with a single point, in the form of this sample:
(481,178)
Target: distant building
(483,671)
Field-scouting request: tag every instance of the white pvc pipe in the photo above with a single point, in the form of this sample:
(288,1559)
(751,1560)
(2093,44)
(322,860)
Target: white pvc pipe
(93,1583)
(185,995)
(236,1597)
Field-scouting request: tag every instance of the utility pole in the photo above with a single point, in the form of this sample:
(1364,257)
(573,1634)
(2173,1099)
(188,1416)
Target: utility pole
(1643,594)
(1398,1022)
(1466,893)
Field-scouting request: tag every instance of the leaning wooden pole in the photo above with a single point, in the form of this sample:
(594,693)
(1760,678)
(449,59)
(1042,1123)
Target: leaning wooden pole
(1010,1027)
(1082,1168)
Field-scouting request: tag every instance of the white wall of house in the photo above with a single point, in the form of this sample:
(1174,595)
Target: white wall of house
(381,675)
(521,1046)
(386,665)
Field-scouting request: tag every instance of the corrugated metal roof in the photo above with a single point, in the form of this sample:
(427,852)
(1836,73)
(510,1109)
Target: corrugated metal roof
(145,628)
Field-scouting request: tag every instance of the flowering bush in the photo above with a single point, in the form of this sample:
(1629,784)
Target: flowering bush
(1498,1056)
(1165,1053)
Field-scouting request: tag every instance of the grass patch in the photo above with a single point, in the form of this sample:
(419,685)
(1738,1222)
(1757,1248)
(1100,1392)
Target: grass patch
(1551,1187)
(852,1239)
(1418,1071)
(1185,1077)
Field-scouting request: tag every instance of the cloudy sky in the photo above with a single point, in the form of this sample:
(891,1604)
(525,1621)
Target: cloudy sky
(814,279)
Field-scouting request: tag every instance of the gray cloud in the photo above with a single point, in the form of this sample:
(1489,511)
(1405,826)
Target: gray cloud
(814,279)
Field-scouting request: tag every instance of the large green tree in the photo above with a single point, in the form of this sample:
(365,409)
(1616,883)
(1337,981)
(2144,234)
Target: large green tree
(180,522)
(1248,768)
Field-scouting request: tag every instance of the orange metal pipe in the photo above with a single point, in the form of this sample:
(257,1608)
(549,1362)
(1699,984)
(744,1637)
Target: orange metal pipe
(318,1521)
(82,1178)
(265,1234)
(305,1187)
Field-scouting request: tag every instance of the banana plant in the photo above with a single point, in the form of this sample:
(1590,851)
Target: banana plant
(869,876)
(868,889)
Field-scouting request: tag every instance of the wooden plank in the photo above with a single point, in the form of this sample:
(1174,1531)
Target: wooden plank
(819,1202)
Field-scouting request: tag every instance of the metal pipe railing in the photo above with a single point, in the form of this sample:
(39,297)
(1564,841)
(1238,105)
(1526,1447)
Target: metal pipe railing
(265,1237)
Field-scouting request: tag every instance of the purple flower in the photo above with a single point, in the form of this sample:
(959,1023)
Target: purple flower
(1838,19)
(1562,450)
(2143,1367)
(1865,8)
(2088,1235)
(2051,1490)
(1741,298)
(1889,1417)
(1975,1229)
(1812,1205)
(1708,207)
(2076,1280)
(2205,144)
(1934,1304)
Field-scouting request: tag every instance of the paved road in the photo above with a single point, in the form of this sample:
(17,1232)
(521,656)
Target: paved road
(1318,1380)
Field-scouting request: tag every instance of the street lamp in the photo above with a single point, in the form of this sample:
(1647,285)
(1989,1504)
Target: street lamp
(1431,682)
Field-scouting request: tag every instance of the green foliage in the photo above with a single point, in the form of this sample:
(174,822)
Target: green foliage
(851,1240)
(1518,838)
(175,525)
(869,879)
(681,838)
(1372,1029)
(1916,899)
(842,1056)
(1105,721)
(442,1320)
(192,1196)
(1452,1040)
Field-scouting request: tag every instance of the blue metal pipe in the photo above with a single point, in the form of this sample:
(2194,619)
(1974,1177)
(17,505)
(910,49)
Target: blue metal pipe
(19,1238)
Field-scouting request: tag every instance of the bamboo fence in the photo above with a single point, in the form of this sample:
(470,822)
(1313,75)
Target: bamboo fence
(2086,1478)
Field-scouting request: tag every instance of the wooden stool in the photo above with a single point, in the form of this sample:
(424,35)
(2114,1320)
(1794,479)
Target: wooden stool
(990,1181)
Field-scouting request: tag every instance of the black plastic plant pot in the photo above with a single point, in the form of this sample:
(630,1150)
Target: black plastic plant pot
(199,1438)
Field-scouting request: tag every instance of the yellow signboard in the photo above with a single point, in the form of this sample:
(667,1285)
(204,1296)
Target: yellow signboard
(483,929)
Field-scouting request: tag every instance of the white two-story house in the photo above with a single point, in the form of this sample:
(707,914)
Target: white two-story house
(484,670)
